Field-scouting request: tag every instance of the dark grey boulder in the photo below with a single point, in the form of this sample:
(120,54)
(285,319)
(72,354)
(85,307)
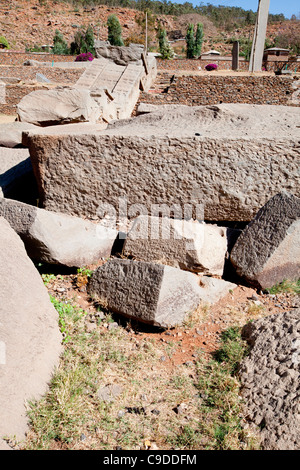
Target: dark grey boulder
(268,249)
(152,293)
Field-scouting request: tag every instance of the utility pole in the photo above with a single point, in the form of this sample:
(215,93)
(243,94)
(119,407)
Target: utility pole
(146,34)
(259,37)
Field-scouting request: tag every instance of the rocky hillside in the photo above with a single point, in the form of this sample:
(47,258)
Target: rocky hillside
(26,24)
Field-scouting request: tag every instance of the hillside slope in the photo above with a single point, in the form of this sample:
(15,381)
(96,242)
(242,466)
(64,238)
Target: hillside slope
(29,23)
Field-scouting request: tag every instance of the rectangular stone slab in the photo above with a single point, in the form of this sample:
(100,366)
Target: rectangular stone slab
(231,178)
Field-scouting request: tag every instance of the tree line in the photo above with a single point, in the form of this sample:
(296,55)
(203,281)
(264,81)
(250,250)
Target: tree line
(222,16)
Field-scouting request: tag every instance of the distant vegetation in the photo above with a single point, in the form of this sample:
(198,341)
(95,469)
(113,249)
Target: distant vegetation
(114,31)
(222,16)
(165,50)
(4,43)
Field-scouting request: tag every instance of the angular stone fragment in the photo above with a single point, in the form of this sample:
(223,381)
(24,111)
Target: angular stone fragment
(60,105)
(30,341)
(151,293)
(58,238)
(185,244)
(268,249)
(109,392)
(213,289)
(11,133)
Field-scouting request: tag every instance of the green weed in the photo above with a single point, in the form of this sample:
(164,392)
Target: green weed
(286,286)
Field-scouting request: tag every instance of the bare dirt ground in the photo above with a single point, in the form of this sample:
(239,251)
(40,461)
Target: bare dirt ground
(201,331)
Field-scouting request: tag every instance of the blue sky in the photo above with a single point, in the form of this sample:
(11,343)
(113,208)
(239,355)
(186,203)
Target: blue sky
(287,7)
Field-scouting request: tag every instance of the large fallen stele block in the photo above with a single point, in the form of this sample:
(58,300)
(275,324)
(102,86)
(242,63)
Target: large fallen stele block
(59,105)
(213,156)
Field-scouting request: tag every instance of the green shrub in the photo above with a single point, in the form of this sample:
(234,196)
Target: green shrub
(165,49)
(198,40)
(190,42)
(4,42)
(60,45)
(83,41)
(114,31)
(194,42)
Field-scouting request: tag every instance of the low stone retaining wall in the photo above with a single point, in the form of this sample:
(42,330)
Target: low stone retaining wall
(214,89)
(222,62)
(18,57)
(198,64)
(22,80)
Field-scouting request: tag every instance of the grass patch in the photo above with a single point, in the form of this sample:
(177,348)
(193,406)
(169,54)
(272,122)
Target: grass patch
(180,407)
(286,286)
(219,390)
(232,350)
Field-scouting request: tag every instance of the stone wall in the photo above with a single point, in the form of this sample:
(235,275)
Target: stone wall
(18,58)
(216,89)
(21,80)
(224,63)
(198,64)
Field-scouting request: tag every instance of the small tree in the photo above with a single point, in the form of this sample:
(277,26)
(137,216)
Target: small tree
(60,45)
(165,48)
(114,31)
(83,41)
(190,42)
(198,40)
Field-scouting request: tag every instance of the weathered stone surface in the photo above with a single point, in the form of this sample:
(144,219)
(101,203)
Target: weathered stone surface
(85,128)
(30,341)
(159,158)
(2,92)
(116,87)
(121,55)
(185,244)
(270,379)
(152,293)
(11,133)
(57,106)
(16,175)
(268,249)
(58,238)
